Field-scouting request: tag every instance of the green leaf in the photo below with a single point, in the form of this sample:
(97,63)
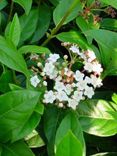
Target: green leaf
(51,120)
(95,118)
(108,48)
(3,4)
(11,58)
(108,23)
(55,2)
(33,49)
(34,140)
(5,79)
(70,122)
(17,116)
(69,146)
(44,17)
(113,3)
(106,154)
(73,37)
(13,32)
(66,11)
(114,98)
(14,87)
(25,4)
(28,24)
(16,149)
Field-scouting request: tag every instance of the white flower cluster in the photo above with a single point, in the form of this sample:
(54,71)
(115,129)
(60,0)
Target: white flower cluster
(70,87)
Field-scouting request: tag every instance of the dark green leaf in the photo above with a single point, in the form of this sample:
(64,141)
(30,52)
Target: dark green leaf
(5,79)
(44,16)
(110,24)
(11,58)
(33,49)
(28,24)
(26,4)
(17,116)
(66,11)
(16,149)
(73,37)
(3,4)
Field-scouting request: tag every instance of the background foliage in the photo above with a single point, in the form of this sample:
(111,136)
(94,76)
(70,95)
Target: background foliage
(29,128)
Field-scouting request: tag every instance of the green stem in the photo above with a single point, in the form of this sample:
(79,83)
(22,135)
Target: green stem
(11,11)
(58,26)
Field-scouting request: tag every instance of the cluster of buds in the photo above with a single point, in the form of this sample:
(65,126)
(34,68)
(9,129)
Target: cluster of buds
(70,86)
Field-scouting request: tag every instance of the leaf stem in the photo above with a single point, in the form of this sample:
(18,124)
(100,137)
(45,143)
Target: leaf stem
(58,26)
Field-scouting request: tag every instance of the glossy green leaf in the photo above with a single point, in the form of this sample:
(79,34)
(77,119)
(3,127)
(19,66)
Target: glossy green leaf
(108,48)
(11,58)
(70,122)
(16,149)
(69,146)
(44,17)
(14,31)
(66,11)
(113,3)
(109,23)
(25,4)
(73,37)
(34,140)
(28,24)
(95,118)
(33,49)
(17,116)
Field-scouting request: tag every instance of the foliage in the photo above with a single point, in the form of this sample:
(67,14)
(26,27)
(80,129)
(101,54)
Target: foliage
(30,31)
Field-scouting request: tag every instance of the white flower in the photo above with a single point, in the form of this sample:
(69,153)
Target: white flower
(44,83)
(59,78)
(68,89)
(49,67)
(61,96)
(59,86)
(53,75)
(78,95)
(97,68)
(88,80)
(53,58)
(49,97)
(78,76)
(75,49)
(96,81)
(72,103)
(91,55)
(50,70)
(88,67)
(81,85)
(89,92)
(34,81)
